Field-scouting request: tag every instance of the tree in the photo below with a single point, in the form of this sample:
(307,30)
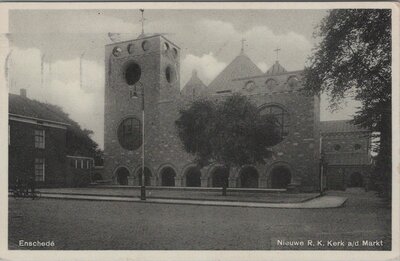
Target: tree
(353,58)
(230,132)
(79,142)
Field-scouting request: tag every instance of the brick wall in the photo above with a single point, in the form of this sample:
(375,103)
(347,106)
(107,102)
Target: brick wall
(22,153)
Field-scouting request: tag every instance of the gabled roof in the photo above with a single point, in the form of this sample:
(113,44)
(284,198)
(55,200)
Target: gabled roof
(194,87)
(23,106)
(276,68)
(240,67)
(339,126)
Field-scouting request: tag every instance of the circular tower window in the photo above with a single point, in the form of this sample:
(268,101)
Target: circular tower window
(165,46)
(175,52)
(132,73)
(146,46)
(170,74)
(337,147)
(130,134)
(117,51)
(131,48)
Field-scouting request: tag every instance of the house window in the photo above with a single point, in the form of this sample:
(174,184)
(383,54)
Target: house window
(357,146)
(39,169)
(39,139)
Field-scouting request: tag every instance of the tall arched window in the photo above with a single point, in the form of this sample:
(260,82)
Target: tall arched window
(281,116)
(130,134)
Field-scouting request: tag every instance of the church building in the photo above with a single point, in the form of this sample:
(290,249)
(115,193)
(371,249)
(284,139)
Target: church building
(143,75)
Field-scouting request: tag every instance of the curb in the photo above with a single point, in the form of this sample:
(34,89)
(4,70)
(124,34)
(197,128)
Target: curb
(177,198)
(192,202)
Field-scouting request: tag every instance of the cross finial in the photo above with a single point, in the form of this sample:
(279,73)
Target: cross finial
(242,50)
(142,20)
(277,53)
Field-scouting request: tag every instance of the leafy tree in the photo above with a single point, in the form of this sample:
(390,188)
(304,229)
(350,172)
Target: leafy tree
(230,132)
(79,141)
(353,58)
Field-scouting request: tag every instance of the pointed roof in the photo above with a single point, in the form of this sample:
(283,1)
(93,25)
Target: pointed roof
(195,86)
(276,68)
(240,67)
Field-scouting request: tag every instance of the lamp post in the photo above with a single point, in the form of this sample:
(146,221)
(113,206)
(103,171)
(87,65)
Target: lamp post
(135,95)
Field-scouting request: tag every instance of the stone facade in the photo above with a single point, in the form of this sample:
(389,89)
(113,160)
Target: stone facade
(296,158)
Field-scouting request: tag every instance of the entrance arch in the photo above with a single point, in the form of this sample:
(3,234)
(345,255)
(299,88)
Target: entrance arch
(219,177)
(168,177)
(248,177)
(193,177)
(280,177)
(356,179)
(147,176)
(122,174)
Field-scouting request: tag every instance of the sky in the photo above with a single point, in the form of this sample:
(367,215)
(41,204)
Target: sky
(209,40)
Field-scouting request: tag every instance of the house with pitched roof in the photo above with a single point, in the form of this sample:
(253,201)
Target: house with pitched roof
(46,145)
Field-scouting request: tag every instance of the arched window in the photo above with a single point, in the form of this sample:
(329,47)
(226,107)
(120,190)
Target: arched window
(281,116)
(130,134)
(271,84)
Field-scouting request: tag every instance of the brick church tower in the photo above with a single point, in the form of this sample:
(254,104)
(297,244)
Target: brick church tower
(145,69)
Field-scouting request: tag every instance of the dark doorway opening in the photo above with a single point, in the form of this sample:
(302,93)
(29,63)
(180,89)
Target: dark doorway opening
(280,177)
(168,177)
(220,177)
(122,176)
(249,178)
(356,180)
(193,178)
(147,177)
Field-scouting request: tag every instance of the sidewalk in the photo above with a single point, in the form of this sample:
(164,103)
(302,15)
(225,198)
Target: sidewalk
(211,194)
(315,202)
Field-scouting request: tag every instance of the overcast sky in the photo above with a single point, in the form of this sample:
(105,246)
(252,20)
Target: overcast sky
(209,39)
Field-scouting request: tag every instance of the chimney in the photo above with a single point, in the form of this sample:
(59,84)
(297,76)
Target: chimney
(22,93)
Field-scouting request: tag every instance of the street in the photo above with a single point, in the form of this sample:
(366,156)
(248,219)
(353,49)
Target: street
(92,225)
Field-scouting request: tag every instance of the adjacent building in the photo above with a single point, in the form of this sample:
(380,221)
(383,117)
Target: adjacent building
(39,144)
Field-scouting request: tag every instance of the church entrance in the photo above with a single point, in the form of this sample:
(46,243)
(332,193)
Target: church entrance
(220,177)
(168,177)
(249,178)
(147,177)
(280,177)
(356,180)
(193,177)
(122,176)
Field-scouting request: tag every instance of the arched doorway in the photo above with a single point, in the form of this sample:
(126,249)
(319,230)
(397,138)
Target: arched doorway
(220,177)
(122,175)
(280,177)
(147,176)
(356,179)
(193,177)
(168,177)
(248,178)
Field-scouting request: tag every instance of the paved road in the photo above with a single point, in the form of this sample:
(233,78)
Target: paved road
(81,225)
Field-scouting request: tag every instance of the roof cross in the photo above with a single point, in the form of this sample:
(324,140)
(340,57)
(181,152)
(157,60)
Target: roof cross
(277,53)
(243,40)
(142,20)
